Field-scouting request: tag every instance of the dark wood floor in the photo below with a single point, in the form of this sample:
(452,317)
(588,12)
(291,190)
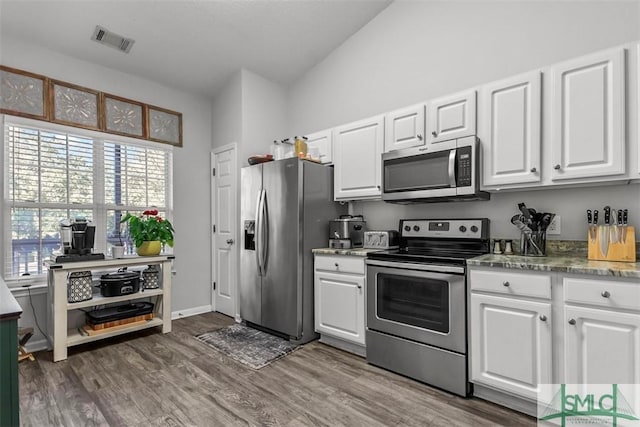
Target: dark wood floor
(149,378)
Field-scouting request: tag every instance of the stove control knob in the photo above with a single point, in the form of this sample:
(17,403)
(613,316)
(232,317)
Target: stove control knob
(474,229)
(407,228)
(416,228)
(462,228)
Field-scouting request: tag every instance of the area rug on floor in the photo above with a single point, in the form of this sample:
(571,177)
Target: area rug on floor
(248,346)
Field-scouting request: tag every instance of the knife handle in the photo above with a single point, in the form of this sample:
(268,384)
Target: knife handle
(620,216)
(607,216)
(595,216)
(589,217)
(624,216)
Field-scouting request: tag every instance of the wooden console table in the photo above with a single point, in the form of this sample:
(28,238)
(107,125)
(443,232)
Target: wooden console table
(62,337)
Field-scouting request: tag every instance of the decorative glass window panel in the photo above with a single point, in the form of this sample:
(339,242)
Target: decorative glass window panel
(165,126)
(22,93)
(123,116)
(75,105)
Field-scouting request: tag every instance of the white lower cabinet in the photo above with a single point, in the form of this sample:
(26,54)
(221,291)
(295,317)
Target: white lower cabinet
(339,300)
(602,344)
(511,342)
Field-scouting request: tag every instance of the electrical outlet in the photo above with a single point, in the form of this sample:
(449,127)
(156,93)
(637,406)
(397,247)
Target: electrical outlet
(555,228)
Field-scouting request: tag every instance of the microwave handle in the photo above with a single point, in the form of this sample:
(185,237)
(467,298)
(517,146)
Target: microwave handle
(452,168)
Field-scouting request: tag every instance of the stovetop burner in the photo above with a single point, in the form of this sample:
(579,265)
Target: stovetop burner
(436,241)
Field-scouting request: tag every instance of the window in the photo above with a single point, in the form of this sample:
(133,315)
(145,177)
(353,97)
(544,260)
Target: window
(56,172)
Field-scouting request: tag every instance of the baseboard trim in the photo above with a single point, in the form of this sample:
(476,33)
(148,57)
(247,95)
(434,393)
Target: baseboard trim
(356,349)
(191,312)
(37,345)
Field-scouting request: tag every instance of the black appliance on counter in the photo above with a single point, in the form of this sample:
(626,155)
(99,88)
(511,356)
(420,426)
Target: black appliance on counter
(417,301)
(77,237)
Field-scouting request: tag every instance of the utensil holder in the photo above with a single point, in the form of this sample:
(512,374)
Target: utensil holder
(534,243)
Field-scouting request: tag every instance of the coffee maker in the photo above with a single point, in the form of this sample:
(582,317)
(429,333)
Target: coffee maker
(77,237)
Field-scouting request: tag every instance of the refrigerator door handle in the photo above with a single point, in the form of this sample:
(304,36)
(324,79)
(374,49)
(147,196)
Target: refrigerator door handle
(259,242)
(265,233)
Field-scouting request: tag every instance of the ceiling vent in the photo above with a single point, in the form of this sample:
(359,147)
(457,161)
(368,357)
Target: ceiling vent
(106,37)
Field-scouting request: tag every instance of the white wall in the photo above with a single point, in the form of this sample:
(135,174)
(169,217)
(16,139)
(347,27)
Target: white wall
(191,195)
(226,122)
(415,51)
(264,114)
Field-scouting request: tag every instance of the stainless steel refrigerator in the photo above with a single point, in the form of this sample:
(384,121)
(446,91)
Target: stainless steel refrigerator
(285,212)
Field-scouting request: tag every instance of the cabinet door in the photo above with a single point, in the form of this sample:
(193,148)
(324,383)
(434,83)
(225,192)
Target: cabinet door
(601,346)
(357,149)
(509,129)
(588,116)
(322,141)
(339,305)
(451,117)
(404,128)
(510,344)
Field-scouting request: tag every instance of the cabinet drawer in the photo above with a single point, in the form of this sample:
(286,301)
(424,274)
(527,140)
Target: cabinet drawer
(511,283)
(606,293)
(341,264)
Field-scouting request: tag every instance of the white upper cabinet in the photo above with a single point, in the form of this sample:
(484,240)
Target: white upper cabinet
(588,116)
(638,107)
(357,149)
(451,117)
(510,130)
(404,128)
(322,141)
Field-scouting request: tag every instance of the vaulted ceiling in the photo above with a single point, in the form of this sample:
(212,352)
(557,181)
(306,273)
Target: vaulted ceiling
(189,44)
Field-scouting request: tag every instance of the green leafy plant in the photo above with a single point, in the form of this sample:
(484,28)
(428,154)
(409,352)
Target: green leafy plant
(148,227)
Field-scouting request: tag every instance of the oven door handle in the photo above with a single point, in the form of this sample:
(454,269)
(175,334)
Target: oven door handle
(422,267)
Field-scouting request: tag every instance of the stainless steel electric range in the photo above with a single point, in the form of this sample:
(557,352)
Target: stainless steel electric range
(416,301)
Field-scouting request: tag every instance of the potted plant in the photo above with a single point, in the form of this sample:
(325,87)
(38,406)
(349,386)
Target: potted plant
(149,232)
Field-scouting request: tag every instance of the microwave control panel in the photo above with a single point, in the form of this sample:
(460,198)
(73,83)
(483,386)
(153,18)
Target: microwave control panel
(463,167)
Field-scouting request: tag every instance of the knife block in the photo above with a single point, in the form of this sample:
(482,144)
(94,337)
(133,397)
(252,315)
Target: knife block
(617,251)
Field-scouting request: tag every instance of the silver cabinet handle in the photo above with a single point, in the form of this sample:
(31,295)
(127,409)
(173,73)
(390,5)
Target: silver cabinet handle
(534,170)
(230,241)
(557,167)
(506,284)
(605,294)
(419,137)
(572,321)
(434,133)
(543,317)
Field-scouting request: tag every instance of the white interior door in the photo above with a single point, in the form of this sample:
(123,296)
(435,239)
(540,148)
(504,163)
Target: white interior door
(225,235)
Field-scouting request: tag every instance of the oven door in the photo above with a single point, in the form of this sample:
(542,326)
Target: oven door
(406,300)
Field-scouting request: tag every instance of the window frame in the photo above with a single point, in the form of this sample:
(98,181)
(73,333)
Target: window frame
(99,206)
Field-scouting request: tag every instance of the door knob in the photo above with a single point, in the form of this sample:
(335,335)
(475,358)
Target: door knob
(543,317)
(419,137)
(534,170)
(572,321)
(506,284)
(605,294)
(557,167)
(230,241)
(434,133)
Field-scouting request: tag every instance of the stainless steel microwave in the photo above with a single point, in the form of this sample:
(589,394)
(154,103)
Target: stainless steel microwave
(445,171)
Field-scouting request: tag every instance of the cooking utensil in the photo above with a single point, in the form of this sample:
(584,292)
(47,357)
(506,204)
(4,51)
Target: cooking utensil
(613,229)
(526,232)
(525,212)
(592,227)
(603,232)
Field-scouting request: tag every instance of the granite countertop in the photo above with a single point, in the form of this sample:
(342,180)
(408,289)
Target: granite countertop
(353,251)
(564,263)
